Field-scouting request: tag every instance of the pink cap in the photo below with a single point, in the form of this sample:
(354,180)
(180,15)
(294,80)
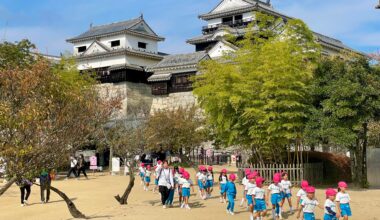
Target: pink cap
(224,170)
(247,171)
(186,175)
(331,192)
(203,168)
(259,181)
(148,167)
(342,184)
(232,177)
(310,189)
(276,179)
(209,168)
(159,162)
(255,173)
(181,170)
(251,176)
(142,165)
(304,184)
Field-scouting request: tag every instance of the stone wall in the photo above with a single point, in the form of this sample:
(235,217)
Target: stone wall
(138,101)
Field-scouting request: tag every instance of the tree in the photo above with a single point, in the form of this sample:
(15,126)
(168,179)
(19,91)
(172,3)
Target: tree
(258,96)
(177,130)
(346,97)
(16,55)
(47,112)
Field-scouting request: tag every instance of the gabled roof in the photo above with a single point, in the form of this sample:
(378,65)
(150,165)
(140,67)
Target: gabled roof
(255,5)
(180,60)
(130,26)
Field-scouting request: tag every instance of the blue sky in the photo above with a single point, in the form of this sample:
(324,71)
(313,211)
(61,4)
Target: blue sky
(48,23)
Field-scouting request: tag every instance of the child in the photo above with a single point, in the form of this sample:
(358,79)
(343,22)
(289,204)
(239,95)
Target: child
(286,186)
(260,208)
(179,177)
(251,185)
(185,185)
(210,181)
(330,207)
(231,194)
(301,194)
(308,205)
(147,178)
(343,201)
(142,173)
(245,182)
(275,190)
(199,178)
(202,179)
(222,184)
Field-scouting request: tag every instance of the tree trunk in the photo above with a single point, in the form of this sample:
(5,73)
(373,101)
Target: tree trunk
(358,163)
(72,208)
(123,200)
(7,185)
(364,179)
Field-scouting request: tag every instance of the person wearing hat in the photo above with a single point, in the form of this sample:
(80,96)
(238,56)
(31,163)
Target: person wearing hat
(186,183)
(245,181)
(259,202)
(343,201)
(301,194)
(222,185)
(209,181)
(309,204)
(251,185)
(330,206)
(148,172)
(231,194)
(142,173)
(156,174)
(287,193)
(275,190)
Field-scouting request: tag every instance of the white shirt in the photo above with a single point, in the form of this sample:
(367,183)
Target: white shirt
(165,177)
(142,169)
(224,180)
(186,183)
(309,205)
(202,177)
(148,173)
(343,198)
(250,188)
(245,181)
(330,204)
(286,185)
(259,193)
(301,193)
(275,188)
(209,176)
(73,163)
(198,174)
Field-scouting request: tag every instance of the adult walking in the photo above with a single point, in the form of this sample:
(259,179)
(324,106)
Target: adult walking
(25,189)
(165,182)
(82,166)
(73,167)
(45,183)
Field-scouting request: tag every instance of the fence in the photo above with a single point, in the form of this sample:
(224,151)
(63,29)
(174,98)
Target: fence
(213,160)
(313,172)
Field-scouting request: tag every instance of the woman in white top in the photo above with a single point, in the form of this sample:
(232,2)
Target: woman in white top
(165,182)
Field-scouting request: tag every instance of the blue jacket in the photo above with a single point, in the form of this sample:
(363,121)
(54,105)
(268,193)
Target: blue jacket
(231,188)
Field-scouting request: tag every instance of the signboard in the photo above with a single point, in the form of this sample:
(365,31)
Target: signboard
(115,164)
(209,153)
(93,163)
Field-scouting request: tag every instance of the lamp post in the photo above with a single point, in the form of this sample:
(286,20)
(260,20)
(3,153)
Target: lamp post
(378,6)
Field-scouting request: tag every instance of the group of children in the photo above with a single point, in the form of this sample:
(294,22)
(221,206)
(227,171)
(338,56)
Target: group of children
(337,204)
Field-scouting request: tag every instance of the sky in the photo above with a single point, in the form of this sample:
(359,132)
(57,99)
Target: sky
(48,23)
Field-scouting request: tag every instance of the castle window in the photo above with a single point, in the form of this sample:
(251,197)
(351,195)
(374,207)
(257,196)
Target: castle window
(227,20)
(82,49)
(115,43)
(142,45)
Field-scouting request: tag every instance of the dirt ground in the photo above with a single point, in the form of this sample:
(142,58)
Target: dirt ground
(94,197)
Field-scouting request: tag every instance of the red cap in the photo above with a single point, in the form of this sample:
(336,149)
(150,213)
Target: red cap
(276,179)
(142,165)
(159,162)
(148,167)
(247,171)
(342,184)
(210,168)
(310,189)
(251,176)
(181,170)
(224,170)
(232,177)
(259,181)
(255,173)
(331,192)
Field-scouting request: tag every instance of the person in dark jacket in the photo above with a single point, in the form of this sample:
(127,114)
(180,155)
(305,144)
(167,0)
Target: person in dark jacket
(82,166)
(25,188)
(45,183)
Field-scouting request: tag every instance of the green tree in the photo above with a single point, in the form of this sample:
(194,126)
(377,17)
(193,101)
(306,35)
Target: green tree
(16,54)
(346,99)
(258,96)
